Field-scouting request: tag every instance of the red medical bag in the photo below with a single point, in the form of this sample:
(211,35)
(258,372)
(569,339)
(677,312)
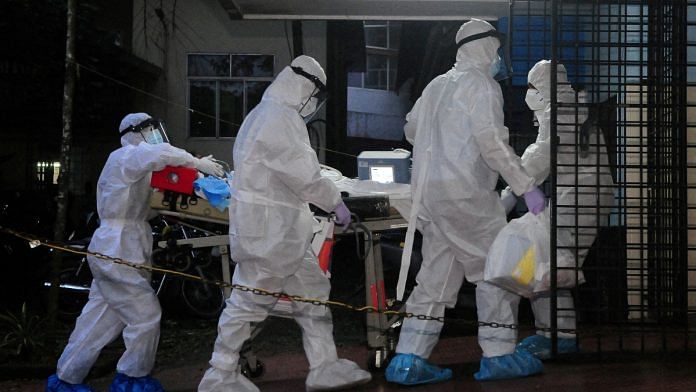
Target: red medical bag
(175,178)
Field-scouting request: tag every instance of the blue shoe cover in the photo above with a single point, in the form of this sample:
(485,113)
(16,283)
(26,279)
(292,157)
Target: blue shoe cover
(123,383)
(55,384)
(515,365)
(410,369)
(540,346)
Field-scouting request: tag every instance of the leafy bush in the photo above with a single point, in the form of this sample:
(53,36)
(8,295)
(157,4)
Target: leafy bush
(23,335)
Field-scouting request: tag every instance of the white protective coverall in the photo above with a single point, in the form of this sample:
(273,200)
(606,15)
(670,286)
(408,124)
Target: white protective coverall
(121,299)
(593,189)
(460,147)
(276,175)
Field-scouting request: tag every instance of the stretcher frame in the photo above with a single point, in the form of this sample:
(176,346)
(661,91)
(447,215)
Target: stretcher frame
(380,343)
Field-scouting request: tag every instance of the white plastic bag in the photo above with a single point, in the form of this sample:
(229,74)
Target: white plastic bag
(518,260)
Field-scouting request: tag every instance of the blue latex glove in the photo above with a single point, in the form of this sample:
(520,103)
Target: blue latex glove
(342,215)
(55,384)
(535,200)
(515,365)
(540,346)
(123,383)
(410,369)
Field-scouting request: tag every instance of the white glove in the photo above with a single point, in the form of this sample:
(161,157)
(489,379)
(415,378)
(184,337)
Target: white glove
(508,199)
(209,166)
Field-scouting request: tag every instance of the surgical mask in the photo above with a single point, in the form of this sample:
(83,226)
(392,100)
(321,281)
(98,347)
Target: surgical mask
(535,100)
(308,119)
(152,136)
(309,107)
(495,67)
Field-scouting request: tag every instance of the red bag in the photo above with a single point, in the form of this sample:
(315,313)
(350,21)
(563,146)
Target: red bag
(175,178)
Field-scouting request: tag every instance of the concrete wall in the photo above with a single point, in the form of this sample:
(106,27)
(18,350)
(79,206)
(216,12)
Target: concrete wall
(203,26)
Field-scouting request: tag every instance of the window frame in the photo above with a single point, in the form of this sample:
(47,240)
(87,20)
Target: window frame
(217,80)
(391,54)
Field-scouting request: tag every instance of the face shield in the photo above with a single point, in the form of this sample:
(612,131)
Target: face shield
(318,97)
(152,130)
(500,68)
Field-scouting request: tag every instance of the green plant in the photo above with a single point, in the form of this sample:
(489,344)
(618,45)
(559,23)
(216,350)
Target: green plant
(23,333)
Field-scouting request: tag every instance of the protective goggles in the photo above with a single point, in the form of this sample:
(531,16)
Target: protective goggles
(152,131)
(321,91)
(489,33)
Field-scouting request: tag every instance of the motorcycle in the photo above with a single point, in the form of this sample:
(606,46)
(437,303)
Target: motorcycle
(196,298)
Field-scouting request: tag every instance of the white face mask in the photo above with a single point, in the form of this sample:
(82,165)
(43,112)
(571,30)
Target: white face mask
(309,108)
(535,100)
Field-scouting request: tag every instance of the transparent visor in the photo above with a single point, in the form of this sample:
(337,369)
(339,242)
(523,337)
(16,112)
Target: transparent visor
(152,131)
(154,135)
(318,104)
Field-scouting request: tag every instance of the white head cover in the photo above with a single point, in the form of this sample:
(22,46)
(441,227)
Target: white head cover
(479,53)
(132,119)
(540,77)
(312,67)
(293,89)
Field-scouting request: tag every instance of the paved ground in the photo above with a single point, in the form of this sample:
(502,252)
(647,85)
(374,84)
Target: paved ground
(286,372)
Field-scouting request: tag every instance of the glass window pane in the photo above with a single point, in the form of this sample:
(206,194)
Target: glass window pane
(355,79)
(255,91)
(231,107)
(202,101)
(394,35)
(376,36)
(217,65)
(252,65)
(376,75)
(393,63)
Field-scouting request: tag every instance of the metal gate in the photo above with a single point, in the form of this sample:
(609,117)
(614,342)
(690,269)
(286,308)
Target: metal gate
(632,118)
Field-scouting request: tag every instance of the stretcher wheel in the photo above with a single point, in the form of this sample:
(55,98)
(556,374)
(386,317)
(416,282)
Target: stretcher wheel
(258,371)
(378,359)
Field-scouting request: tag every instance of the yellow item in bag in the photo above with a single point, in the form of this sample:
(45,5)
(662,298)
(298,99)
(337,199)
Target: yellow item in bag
(524,271)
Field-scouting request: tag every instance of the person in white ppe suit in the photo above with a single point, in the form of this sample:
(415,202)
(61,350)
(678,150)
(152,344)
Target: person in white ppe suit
(460,147)
(590,182)
(276,175)
(121,300)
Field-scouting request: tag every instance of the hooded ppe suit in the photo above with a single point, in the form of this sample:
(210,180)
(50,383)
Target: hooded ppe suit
(121,300)
(276,175)
(590,182)
(460,147)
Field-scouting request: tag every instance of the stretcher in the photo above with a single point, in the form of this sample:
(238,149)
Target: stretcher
(381,343)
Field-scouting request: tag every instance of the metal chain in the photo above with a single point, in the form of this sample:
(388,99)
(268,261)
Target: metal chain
(35,241)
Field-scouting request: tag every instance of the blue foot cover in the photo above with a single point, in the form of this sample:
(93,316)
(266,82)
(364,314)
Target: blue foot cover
(123,383)
(55,384)
(540,346)
(410,369)
(515,365)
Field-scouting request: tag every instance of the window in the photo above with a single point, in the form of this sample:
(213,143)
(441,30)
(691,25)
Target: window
(382,52)
(47,174)
(222,89)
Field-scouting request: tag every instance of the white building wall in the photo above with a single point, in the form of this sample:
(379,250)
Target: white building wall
(203,26)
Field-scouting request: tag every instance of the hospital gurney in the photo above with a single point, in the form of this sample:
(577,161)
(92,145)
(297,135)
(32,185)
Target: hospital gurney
(381,343)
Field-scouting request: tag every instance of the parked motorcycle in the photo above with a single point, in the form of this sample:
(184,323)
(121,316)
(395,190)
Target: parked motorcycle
(196,298)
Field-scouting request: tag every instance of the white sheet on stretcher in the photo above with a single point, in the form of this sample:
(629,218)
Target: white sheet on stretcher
(399,194)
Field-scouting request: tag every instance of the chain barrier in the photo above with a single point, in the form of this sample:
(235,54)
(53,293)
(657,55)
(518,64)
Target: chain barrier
(35,242)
